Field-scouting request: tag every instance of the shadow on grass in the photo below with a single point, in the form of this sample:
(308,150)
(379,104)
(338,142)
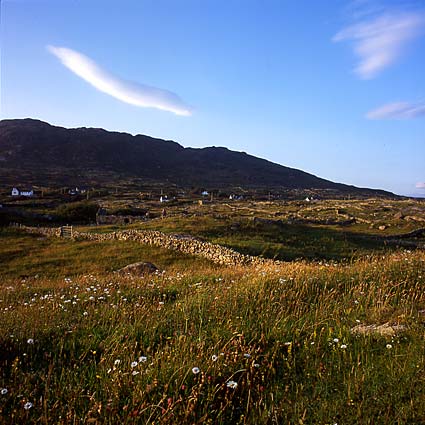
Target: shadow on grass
(299,241)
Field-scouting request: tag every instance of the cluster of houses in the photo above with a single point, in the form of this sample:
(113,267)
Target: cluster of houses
(29,192)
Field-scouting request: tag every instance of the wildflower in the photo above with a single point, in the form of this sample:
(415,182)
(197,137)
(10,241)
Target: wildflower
(335,340)
(117,362)
(135,372)
(232,384)
(133,364)
(142,359)
(30,341)
(214,358)
(85,313)
(3,391)
(195,370)
(389,346)
(247,355)
(28,405)
(343,346)
(256,365)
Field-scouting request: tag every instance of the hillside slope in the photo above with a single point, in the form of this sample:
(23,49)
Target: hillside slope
(35,152)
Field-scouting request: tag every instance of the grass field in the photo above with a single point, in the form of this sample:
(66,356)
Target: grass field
(199,343)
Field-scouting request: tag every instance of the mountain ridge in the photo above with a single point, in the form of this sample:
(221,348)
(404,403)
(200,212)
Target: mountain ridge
(33,149)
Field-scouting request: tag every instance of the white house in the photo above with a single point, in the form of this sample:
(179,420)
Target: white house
(24,192)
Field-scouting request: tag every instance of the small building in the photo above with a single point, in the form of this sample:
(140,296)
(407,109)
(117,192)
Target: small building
(77,190)
(22,192)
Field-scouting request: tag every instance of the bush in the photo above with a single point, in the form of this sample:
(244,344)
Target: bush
(77,212)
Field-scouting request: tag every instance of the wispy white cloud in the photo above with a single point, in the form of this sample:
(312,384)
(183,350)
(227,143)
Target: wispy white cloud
(127,91)
(398,111)
(420,185)
(358,9)
(380,41)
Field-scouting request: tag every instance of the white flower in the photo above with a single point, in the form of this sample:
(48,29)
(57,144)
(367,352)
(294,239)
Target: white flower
(134,373)
(30,341)
(214,358)
(133,364)
(335,340)
(142,359)
(389,346)
(3,391)
(256,365)
(343,346)
(232,384)
(28,405)
(117,362)
(247,355)
(195,370)
(85,313)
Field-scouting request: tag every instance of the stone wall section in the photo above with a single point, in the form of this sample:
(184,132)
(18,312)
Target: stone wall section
(192,246)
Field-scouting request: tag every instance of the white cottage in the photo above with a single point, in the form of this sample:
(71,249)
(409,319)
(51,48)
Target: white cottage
(23,192)
(27,192)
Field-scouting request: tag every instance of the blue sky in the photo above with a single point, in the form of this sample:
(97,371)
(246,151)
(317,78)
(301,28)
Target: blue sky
(335,88)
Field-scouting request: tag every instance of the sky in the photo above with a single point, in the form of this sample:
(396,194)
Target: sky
(335,87)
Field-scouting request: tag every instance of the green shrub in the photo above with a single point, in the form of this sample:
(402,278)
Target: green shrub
(77,212)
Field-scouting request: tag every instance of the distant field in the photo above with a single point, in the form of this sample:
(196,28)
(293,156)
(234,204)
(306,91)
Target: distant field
(296,229)
(337,336)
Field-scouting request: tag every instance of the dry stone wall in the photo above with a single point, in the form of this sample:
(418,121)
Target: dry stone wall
(192,246)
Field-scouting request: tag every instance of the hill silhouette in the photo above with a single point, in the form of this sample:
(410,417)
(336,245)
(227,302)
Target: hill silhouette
(35,152)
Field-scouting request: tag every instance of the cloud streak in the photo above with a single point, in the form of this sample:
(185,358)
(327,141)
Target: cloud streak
(420,185)
(127,91)
(398,111)
(380,42)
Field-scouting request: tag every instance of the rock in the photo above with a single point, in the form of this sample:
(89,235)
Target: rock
(384,330)
(383,227)
(138,269)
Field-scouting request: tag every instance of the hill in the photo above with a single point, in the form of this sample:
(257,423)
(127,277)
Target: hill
(35,152)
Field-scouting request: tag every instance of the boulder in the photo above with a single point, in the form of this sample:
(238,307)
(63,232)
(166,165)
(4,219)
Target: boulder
(138,269)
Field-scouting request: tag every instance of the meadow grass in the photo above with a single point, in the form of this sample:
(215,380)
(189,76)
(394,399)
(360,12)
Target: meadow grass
(26,255)
(199,344)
